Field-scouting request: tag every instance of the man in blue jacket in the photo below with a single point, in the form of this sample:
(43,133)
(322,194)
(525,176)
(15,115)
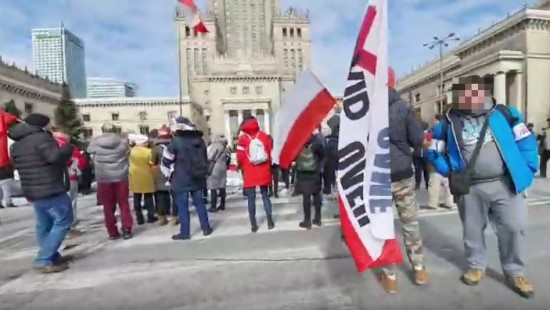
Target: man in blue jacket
(504,167)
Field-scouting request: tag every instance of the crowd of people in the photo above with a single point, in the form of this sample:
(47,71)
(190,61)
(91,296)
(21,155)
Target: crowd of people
(480,153)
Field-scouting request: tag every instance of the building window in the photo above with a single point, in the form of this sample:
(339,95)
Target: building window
(144,129)
(286,58)
(114,116)
(171,115)
(258,90)
(284,32)
(29,107)
(86,117)
(233,90)
(247,113)
(118,129)
(417,97)
(187,31)
(291,32)
(299,32)
(246,90)
(87,133)
(142,115)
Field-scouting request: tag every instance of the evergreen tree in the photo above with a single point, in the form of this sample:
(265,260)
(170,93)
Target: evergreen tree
(12,109)
(67,117)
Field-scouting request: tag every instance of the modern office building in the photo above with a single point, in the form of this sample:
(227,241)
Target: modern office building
(109,88)
(59,56)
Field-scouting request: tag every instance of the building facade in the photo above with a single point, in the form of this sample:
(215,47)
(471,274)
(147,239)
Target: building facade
(109,88)
(29,92)
(514,57)
(59,55)
(252,53)
(136,115)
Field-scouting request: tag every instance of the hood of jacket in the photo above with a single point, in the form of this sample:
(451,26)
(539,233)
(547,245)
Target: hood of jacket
(21,130)
(109,141)
(251,127)
(220,139)
(393,96)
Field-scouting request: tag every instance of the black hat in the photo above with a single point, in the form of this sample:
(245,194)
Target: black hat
(38,120)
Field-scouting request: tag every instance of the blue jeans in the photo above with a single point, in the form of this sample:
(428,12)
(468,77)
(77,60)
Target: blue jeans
(54,216)
(182,200)
(250,194)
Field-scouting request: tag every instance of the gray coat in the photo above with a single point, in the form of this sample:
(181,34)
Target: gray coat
(218,151)
(110,155)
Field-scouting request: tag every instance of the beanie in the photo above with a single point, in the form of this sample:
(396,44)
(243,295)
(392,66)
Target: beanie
(38,120)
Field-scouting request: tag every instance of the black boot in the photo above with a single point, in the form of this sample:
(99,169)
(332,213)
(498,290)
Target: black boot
(213,201)
(150,207)
(317,218)
(223,194)
(140,220)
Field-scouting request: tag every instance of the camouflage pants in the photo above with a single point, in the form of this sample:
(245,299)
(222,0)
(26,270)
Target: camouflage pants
(407,208)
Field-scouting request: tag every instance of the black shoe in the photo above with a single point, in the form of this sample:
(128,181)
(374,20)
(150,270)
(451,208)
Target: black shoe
(417,187)
(317,222)
(254,229)
(11,205)
(116,237)
(221,208)
(276,196)
(152,219)
(180,237)
(126,234)
(270,224)
(140,221)
(1,206)
(305,225)
(207,232)
(212,210)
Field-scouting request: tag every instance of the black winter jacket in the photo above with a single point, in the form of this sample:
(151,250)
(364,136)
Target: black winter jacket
(42,165)
(405,133)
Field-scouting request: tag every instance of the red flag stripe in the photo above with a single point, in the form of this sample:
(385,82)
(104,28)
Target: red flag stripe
(366,59)
(307,122)
(190,4)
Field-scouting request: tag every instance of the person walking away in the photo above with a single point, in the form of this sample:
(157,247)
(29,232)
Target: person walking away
(254,158)
(406,133)
(74,167)
(309,179)
(187,152)
(110,157)
(142,183)
(162,184)
(42,167)
(218,158)
(490,158)
(545,149)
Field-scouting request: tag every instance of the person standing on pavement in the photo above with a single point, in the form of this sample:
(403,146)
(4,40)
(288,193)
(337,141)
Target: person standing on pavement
(545,149)
(420,162)
(42,167)
(218,158)
(490,158)
(309,179)
(187,152)
(438,183)
(110,155)
(141,180)
(274,187)
(254,158)
(162,185)
(406,133)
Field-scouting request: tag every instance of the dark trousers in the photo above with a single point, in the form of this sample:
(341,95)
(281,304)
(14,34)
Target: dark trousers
(182,200)
(306,202)
(544,157)
(175,210)
(109,195)
(329,179)
(251,198)
(214,194)
(274,187)
(148,204)
(286,177)
(421,168)
(163,202)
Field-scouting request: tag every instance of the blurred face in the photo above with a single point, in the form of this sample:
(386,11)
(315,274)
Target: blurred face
(472,97)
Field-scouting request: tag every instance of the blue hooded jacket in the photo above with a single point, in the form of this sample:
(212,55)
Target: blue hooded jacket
(517,146)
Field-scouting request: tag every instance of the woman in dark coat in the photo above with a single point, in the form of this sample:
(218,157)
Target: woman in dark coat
(308,179)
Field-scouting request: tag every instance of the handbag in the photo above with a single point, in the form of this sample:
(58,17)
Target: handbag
(460,181)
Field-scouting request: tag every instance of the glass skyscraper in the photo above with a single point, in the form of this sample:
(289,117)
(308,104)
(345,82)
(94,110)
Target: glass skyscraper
(59,55)
(109,88)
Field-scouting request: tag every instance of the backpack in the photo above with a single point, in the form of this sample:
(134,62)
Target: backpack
(256,151)
(306,160)
(196,163)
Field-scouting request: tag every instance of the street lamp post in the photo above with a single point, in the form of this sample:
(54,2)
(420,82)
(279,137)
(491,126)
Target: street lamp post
(440,43)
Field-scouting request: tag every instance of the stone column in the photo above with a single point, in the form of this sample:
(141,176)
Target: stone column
(499,91)
(253,112)
(227,123)
(519,93)
(240,117)
(267,123)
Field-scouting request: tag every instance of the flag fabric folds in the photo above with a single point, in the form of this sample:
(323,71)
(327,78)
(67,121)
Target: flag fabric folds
(364,178)
(302,110)
(6,120)
(192,15)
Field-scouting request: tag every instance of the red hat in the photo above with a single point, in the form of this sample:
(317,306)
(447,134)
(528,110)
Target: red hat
(391,77)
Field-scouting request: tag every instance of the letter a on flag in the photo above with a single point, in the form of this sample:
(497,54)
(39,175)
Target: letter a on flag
(364,178)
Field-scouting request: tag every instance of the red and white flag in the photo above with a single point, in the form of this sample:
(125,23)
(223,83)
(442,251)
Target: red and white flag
(192,15)
(364,177)
(302,110)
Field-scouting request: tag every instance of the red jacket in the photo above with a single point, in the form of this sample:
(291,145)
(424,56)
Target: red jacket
(81,162)
(253,175)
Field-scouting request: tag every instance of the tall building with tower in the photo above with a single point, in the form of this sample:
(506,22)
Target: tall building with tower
(252,53)
(59,55)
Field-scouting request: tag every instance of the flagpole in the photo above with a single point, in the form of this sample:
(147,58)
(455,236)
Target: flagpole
(179,71)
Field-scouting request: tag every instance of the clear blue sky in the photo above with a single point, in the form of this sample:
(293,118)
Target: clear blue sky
(135,40)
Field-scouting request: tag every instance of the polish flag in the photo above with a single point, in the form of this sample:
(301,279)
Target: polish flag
(192,15)
(302,110)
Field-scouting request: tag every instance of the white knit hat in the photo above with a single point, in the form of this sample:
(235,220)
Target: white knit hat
(138,139)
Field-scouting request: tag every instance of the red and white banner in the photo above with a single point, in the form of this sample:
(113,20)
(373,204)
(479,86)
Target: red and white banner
(192,15)
(302,110)
(364,178)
